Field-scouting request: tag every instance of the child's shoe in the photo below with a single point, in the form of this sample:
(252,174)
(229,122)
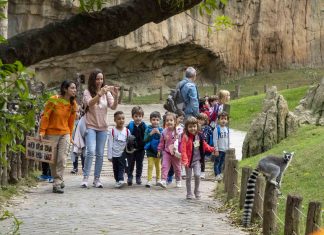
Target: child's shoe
(117,185)
(189,196)
(84,183)
(129,181)
(122,183)
(162,184)
(43,177)
(178,184)
(74,171)
(218,178)
(202,175)
(138,181)
(58,190)
(198,196)
(148,184)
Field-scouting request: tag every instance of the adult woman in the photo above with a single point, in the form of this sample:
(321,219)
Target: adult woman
(57,125)
(97,98)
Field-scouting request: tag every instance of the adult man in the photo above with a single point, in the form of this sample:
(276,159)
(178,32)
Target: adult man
(189,93)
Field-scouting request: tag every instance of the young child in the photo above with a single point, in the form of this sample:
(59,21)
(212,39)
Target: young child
(152,139)
(166,145)
(193,148)
(180,118)
(207,132)
(221,144)
(137,128)
(117,140)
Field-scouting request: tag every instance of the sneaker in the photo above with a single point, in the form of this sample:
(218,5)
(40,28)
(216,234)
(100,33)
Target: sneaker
(148,184)
(129,182)
(97,183)
(58,190)
(50,179)
(168,182)
(202,175)
(122,184)
(198,196)
(218,178)
(189,196)
(117,185)
(84,183)
(162,184)
(43,178)
(74,171)
(138,181)
(158,182)
(178,184)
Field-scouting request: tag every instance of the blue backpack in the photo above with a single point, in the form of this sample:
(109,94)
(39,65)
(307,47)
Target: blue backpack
(219,133)
(152,145)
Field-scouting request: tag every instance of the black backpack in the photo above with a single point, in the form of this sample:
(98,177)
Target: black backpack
(175,99)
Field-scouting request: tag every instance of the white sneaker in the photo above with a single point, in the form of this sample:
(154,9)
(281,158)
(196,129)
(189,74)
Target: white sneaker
(218,178)
(221,175)
(84,183)
(122,184)
(97,183)
(117,185)
(148,184)
(158,182)
(178,184)
(202,175)
(162,184)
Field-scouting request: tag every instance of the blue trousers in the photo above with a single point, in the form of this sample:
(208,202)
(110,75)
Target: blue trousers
(219,162)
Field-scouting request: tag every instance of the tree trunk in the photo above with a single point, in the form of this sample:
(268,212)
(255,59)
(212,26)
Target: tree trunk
(13,162)
(85,29)
(4,22)
(24,166)
(4,176)
(18,166)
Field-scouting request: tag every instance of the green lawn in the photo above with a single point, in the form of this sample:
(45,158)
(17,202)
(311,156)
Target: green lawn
(305,175)
(245,109)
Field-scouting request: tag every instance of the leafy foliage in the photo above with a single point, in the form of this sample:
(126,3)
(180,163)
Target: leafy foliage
(16,221)
(91,5)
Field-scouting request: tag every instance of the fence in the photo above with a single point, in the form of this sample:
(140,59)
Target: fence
(266,200)
(131,93)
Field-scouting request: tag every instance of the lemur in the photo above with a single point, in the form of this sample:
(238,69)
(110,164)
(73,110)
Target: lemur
(272,168)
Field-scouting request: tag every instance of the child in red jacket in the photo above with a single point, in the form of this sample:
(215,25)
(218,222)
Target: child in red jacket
(193,148)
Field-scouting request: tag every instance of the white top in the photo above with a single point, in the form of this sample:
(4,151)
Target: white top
(117,141)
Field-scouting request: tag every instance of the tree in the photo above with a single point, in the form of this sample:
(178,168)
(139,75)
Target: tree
(85,29)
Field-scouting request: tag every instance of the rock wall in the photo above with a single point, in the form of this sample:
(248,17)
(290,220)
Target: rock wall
(311,108)
(272,125)
(267,35)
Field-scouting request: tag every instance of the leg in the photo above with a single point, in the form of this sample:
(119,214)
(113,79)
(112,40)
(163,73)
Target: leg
(150,168)
(82,159)
(157,163)
(90,149)
(221,161)
(197,172)
(101,138)
(170,175)
(216,165)
(188,182)
(75,163)
(130,167)
(176,163)
(115,168)
(139,157)
(121,167)
(166,163)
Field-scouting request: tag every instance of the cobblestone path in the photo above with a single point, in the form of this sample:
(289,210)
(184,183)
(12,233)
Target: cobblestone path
(131,210)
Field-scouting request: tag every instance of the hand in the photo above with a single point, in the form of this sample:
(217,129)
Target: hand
(72,142)
(102,91)
(216,153)
(41,137)
(159,154)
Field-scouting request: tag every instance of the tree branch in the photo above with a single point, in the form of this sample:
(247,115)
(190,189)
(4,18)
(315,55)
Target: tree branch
(85,29)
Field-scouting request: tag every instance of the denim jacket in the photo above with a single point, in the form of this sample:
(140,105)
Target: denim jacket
(190,96)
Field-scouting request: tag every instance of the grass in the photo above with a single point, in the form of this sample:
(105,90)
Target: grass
(305,175)
(244,110)
(7,192)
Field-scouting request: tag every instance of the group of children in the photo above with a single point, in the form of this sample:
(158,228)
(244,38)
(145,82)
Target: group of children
(170,142)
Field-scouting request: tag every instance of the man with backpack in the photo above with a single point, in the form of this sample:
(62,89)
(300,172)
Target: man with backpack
(185,97)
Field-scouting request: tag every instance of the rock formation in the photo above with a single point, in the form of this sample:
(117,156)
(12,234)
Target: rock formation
(272,125)
(267,35)
(311,109)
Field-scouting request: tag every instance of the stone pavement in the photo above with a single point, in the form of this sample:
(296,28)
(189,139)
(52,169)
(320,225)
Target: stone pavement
(131,210)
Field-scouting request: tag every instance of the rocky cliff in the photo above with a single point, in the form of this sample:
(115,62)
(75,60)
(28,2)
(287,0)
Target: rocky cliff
(267,35)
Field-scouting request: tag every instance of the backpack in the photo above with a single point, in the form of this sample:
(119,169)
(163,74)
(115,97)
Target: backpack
(175,99)
(131,144)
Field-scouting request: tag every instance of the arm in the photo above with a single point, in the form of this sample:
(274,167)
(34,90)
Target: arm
(49,107)
(72,119)
(110,144)
(112,101)
(207,148)
(215,140)
(193,96)
(88,100)
(147,135)
(184,154)
(162,143)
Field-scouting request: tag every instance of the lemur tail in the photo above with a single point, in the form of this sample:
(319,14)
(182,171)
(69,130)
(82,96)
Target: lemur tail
(249,198)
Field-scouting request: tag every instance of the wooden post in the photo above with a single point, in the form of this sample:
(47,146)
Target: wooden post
(270,210)
(130,96)
(292,217)
(246,172)
(288,86)
(257,210)
(313,221)
(121,95)
(265,88)
(215,89)
(24,166)
(232,175)
(161,93)
(230,154)
(238,91)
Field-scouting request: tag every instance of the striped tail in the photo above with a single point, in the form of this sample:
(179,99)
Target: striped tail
(249,198)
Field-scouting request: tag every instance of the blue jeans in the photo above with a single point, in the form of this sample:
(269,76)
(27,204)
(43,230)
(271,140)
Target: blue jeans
(95,144)
(218,163)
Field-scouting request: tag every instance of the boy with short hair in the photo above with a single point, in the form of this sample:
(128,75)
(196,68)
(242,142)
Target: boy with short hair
(117,140)
(137,128)
(221,144)
(152,138)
